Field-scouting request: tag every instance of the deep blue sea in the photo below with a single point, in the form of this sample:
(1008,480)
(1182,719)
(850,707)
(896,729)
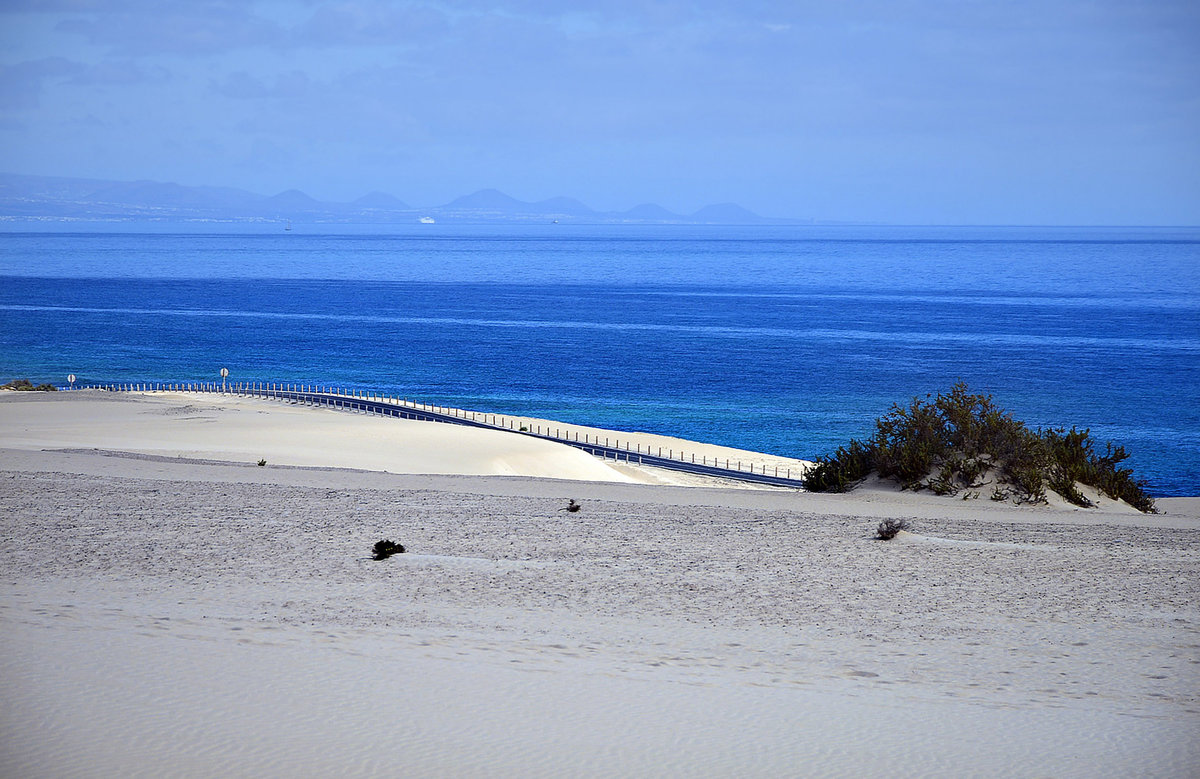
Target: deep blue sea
(781,339)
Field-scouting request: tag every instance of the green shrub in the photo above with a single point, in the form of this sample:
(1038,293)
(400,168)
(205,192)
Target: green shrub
(952,442)
(850,465)
(1025,477)
(1118,483)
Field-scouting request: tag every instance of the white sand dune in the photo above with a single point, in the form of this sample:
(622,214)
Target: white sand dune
(237,429)
(227,427)
(163,616)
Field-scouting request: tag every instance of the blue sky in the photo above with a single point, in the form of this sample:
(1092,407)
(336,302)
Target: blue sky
(1048,112)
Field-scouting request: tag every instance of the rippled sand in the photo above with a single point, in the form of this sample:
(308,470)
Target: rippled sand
(168,617)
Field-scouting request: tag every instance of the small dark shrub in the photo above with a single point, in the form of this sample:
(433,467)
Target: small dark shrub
(888,528)
(25,385)
(385,549)
(261,463)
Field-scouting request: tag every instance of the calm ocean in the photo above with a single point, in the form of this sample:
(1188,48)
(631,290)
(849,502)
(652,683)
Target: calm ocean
(783,339)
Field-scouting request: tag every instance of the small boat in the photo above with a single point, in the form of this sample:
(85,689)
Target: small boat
(289,226)
(426,220)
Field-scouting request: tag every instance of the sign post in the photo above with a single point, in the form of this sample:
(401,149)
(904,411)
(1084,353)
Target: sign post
(224,375)
(71,380)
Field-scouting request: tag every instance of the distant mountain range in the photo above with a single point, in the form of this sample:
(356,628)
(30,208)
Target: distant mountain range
(47,198)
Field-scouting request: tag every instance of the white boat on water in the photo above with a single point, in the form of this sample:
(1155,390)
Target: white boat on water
(426,220)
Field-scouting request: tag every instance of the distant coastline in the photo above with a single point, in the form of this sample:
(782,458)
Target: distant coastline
(39,199)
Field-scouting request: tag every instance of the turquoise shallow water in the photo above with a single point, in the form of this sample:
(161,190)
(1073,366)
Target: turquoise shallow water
(787,340)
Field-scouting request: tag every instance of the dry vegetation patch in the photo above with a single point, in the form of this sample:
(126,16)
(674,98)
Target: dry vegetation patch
(962,441)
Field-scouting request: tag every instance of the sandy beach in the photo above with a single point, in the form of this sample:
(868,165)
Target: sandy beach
(170,608)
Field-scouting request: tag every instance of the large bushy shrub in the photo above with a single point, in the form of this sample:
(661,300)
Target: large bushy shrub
(952,442)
